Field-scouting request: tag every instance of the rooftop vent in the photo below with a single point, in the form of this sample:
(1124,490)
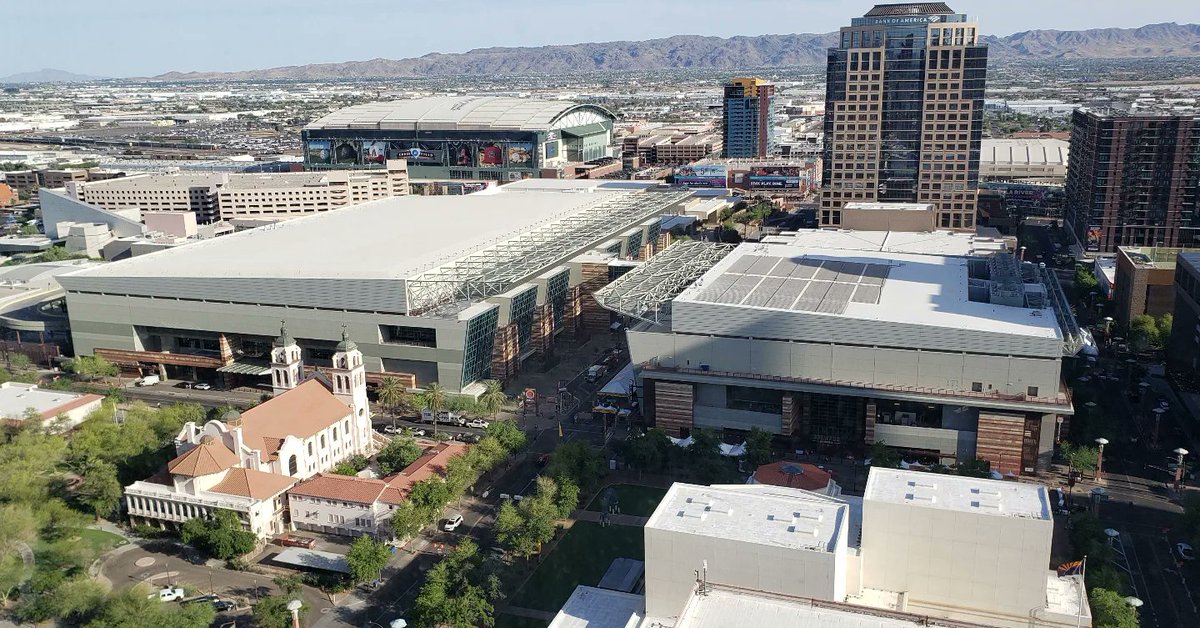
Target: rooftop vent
(927,499)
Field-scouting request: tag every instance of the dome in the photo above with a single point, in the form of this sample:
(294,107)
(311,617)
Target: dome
(284,339)
(231,415)
(346,344)
(207,439)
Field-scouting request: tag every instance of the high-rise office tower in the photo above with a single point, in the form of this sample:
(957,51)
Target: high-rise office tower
(904,112)
(748,118)
(1133,179)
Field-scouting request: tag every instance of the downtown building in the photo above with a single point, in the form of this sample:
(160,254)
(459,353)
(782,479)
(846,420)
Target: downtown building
(748,114)
(942,345)
(904,112)
(1133,180)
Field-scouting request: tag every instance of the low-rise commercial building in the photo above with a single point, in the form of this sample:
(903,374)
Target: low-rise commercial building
(1041,160)
(942,345)
(213,196)
(1145,281)
(57,409)
(916,549)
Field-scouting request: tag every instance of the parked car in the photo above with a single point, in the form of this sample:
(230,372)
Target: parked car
(297,541)
(452,523)
(595,372)
(1185,551)
(390,429)
(478,424)
(468,437)
(199,599)
(168,594)
(224,605)
(419,432)
(202,386)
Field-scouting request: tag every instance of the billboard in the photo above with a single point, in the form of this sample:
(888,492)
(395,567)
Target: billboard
(461,154)
(345,152)
(774,177)
(374,152)
(550,149)
(491,155)
(417,152)
(318,152)
(1095,238)
(520,155)
(702,176)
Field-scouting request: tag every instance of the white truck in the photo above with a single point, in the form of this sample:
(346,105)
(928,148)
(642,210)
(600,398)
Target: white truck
(149,380)
(444,417)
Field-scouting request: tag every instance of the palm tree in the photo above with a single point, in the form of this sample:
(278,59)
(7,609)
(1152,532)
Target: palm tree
(435,400)
(391,395)
(493,397)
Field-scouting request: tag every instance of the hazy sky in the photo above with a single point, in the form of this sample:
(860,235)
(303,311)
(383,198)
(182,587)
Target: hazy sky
(147,37)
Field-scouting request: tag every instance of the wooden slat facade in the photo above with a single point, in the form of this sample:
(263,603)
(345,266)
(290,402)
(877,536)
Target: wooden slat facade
(673,408)
(1000,439)
(127,357)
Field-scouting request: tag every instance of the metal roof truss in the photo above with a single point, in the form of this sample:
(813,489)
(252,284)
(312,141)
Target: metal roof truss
(645,293)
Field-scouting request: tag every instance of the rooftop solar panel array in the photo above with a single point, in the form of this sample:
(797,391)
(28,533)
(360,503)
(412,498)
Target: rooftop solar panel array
(799,284)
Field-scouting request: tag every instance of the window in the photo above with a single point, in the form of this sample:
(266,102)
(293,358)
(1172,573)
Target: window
(1032,391)
(404,335)
(976,386)
(293,466)
(322,441)
(310,448)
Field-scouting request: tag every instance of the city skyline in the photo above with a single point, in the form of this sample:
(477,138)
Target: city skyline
(123,39)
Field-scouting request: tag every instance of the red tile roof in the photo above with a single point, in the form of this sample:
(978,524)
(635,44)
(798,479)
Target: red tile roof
(340,487)
(800,475)
(253,483)
(301,412)
(393,489)
(210,456)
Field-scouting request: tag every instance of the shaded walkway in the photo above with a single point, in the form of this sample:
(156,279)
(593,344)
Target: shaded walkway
(616,519)
(521,611)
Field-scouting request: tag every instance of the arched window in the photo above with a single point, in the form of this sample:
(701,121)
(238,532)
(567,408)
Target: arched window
(322,441)
(310,448)
(293,467)
(335,432)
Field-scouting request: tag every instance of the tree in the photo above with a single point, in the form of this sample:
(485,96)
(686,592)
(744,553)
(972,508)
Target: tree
(1085,282)
(435,400)
(648,452)
(578,461)
(291,585)
(1165,323)
(975,468)
(397,454)
(392,395)
(523,528)
(1110,610)
(508,434)
(458,591)
(272,612)
(221,537)
(367,558)
(100,490)
(88,367)
(1143,333)
(758,446)
(1080,457)
(132,608)
(493,397)
(567,498)
(883,456)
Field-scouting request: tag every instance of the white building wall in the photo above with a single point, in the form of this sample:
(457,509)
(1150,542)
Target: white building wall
(870,365)
(953,558)
(335,516)
(672,559)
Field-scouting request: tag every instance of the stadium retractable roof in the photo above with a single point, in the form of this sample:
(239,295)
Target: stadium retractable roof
(645,293)
(497,268)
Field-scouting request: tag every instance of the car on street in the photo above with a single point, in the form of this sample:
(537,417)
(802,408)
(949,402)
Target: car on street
(1185,551)
(168,594)
(224,605)
(296,541)
(419,432)
(390,429)
(478,424)
(452,523)
(202,386)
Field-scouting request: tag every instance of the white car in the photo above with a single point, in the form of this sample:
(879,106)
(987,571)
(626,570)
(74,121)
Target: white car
(390,429)
(202,386)
(168,594)
(452,523)
(477,423)
(1185,551)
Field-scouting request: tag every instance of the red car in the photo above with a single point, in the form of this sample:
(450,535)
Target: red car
(297,541)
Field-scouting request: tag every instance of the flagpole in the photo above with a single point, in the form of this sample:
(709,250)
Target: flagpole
(1082,586)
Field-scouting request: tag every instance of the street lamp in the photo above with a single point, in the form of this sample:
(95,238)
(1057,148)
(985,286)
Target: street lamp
(1100,457)
(1158,412)
(294,607)
(1180,452)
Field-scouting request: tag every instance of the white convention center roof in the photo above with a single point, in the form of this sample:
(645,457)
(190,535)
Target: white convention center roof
(463,113)
(950,492)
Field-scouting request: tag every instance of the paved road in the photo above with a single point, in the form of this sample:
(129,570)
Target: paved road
(158,563)
(167,393)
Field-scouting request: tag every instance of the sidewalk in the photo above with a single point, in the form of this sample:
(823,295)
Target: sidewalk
(617,519)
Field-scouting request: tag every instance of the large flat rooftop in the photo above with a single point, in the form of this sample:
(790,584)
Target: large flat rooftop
(863,285)
(913,242)
(721,608)
(774,516)
(998,498)
(592,607)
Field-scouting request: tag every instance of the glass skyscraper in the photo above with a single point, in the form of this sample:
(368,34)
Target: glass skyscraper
(748,118)
(904,112)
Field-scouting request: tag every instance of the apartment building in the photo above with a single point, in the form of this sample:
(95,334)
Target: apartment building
(748,119)
(216,196)
(1133,180)
(904,112)
(1183,349)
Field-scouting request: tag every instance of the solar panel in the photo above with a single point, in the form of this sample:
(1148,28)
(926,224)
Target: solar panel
(836,298)
(806,268)
(763,265)
(851,272)
(874,274)
(866,294)
(811,299)
(740,289)
(742,264)
(787,294)
(829,270)
(764,292)
(784,268)
(716,288)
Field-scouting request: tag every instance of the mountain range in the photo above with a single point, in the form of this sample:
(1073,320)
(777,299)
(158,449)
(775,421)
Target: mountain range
(700,52)
(47,75)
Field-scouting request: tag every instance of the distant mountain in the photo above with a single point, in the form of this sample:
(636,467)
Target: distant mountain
(47,75)
(694,51)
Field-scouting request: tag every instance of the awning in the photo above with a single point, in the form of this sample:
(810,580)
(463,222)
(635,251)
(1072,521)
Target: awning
(312,559)
(620,385)
(246,367)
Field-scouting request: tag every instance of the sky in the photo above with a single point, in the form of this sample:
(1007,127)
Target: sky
(127,38)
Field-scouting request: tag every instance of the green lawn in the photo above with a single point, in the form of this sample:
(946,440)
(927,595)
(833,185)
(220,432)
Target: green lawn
(634,499)
(512,621)
(99,541)
(582,557)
